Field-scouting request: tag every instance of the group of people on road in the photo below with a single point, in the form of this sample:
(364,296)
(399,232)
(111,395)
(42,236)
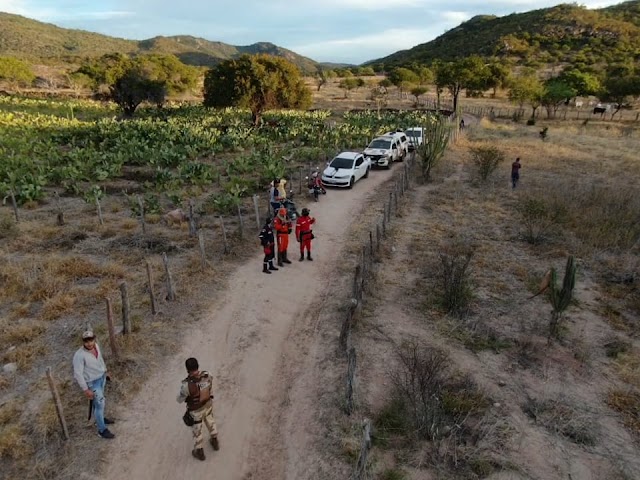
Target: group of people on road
(196,390)
(278,243)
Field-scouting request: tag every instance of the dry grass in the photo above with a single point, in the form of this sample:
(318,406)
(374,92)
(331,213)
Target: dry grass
(57,306)
(14,443)
(627,403)
(628,367)
(9,412)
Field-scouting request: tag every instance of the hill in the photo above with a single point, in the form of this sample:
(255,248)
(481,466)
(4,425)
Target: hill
(565,33)
(37,41)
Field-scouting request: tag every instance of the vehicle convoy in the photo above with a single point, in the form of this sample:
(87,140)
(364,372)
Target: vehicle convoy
(346,169)
(384,150)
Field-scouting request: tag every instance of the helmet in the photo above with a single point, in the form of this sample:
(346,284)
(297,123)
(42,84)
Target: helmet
(282,211)
(305,211)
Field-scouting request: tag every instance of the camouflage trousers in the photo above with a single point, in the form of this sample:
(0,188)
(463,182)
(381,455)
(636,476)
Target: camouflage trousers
(203,415)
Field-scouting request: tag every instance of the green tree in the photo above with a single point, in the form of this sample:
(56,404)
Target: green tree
(498,76)
(583,83)
(399,75)
(526,89)
(135,87)
(257,82)
(555,93)
(417,92)
(323,76)
(425,75)
(348,84)
(620,90)
(15,72)
(467,72)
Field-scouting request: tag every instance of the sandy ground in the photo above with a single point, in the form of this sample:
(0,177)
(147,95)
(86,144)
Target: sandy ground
(245,341)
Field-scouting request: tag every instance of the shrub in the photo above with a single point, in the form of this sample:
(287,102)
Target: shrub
(539,216)
(562,418)
(455,277)
(487,159)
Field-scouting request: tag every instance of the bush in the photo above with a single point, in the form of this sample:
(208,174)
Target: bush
(487,159)
(455,278)
(562,418)
(540,216)
(531,122)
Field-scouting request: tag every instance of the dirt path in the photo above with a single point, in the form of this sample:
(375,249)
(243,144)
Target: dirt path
(243,341)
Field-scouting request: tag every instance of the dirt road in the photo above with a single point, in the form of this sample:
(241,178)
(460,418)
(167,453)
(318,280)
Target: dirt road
(241,341)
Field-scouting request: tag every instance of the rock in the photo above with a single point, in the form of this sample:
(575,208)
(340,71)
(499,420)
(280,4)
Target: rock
(497,405)
(10,368)
(501,383)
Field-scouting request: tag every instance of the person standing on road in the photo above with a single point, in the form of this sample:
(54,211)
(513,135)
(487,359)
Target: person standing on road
(90,371)
(268,244)
(274,195)
(196,390)
(282,225)
(304,233)
(515,172)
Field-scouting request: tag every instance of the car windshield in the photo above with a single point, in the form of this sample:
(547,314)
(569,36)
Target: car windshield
(385,144)
(341,163)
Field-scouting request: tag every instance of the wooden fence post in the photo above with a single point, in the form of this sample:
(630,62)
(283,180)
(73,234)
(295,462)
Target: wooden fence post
(154,308)
(58,404)
(356,283)
(384,221)
(14,204)
(126,307)
(378,236)
(60,213)
(224,236)
(111,329)
(203,257)
(361,467)
(99,210)
(241,222)
(142,222)
(351,373)
(171,293)
(300,176)
(192,220)
(370,242)
(257,209)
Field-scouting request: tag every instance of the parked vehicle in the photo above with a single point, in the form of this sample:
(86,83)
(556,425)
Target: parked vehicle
(346,169)
(415,135)
(404,142)
(383,151)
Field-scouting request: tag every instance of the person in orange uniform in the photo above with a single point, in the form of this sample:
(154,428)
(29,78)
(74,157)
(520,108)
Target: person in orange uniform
(304,234)
(282,225)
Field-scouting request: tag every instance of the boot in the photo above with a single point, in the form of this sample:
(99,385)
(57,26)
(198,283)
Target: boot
(271,267)
(265,269)
(309,256)
(285,257)
(301,256)
(198,453)
(280,255)
(214,443)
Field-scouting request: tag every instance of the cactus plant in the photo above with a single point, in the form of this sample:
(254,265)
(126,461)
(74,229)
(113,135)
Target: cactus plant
(436,139)
(560,298)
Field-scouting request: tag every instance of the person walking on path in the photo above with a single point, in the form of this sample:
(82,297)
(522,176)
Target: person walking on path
(267,241)
(90,371)
(275,196)
(304,233)
(282,225)
(515,172)
(196,390)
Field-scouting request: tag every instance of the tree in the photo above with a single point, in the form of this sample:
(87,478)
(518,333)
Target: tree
(348,84)
(15,72)
(385,83)
(403,78)
(425,75)
(257,82)
(323,77)
(417,92)
(583,83)
(555,93)
(620,90)
(134,87)
(379,96)
(467,72)
(526,89)
(498,76)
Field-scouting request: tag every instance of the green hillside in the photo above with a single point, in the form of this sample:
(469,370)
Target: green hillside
(37,41)
(565,33)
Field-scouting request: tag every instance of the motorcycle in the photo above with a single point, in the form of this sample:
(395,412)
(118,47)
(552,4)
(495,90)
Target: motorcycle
(290,205)
(315,188)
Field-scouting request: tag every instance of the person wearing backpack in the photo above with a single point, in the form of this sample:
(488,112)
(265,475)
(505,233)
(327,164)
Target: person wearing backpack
(196,391)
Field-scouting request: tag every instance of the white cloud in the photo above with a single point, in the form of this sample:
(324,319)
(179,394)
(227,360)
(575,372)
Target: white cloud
(455,17)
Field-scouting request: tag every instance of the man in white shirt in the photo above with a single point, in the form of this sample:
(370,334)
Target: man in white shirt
(90,372)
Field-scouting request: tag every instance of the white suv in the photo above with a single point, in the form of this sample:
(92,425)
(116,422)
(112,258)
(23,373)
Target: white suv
(384,150)
(404,141)
(415,136)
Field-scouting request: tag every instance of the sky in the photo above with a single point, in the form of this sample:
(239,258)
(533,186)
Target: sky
(342,31)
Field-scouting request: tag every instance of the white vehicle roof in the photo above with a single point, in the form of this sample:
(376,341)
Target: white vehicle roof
(383,137)
(348,155)
(414,129)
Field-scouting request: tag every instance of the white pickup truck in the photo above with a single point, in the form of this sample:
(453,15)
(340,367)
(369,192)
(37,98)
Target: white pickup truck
(383,151)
